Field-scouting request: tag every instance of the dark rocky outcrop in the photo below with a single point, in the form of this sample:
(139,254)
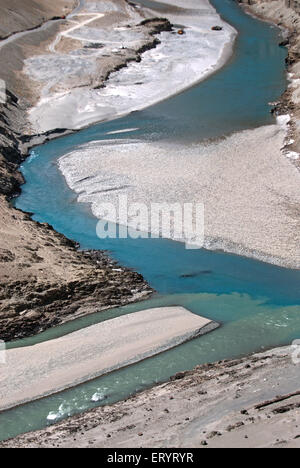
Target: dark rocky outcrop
(11,153)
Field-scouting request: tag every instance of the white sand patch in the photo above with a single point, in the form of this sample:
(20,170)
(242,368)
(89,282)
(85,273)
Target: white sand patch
(292,155)
(65,362)
(283,121)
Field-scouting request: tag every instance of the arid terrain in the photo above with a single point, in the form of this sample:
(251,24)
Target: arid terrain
(31,14)
(45,280)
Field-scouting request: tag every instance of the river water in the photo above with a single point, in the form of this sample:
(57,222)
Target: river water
(257,304)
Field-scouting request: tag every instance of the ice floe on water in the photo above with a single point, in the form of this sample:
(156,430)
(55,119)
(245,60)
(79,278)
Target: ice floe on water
(125,130)
(177,63)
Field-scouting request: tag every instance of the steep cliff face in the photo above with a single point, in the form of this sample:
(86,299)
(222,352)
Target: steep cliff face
(11,123)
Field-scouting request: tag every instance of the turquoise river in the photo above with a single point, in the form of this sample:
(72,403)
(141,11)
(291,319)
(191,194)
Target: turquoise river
(257,304)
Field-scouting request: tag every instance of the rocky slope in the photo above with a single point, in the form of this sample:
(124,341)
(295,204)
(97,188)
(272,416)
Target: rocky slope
(286,14)
(19,16)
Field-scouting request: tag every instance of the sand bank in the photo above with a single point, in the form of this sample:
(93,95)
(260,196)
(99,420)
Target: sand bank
(249,189)
(49,367)
(66,77)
